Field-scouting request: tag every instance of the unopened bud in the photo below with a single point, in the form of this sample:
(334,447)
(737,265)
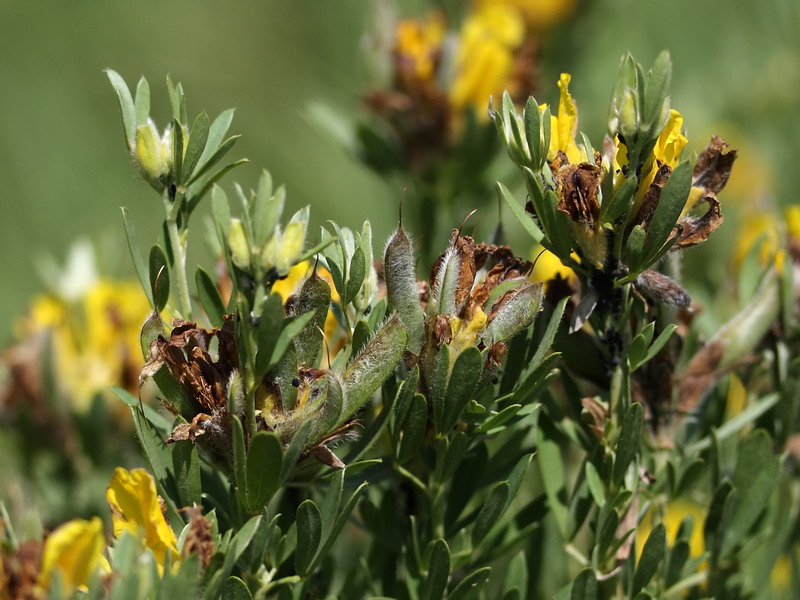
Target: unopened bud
(512,313)
(237,242)
(153,154)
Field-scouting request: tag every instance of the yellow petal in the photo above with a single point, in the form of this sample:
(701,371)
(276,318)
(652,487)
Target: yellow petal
(565,125)
(135,507)
(76,550)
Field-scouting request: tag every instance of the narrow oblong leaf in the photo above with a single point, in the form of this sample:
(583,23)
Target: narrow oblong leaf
(435,583)
(413,431)
(652,556)
(355,275)
(620,202)
(464,377)
(628,442)
(309,531)
(522,217)
(584,587)
(264,462)
(198,136)
(471,585)
(235,589)
(670,204)
(210,298)
(159,278)
(136,255)
(491,511)
(126,106)
(142,102)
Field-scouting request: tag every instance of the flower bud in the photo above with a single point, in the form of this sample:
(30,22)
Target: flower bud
(628,115)
(291,245)
(153,155)
(237,242)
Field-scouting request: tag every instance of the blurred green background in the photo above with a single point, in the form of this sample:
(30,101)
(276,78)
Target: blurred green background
(65,172)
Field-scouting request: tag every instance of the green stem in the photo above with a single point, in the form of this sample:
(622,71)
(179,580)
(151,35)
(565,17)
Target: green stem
(178,243)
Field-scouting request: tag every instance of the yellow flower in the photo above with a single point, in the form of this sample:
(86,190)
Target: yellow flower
(792,216)
(564,126)
(547,266)
(760,229)
(136,508)
(418,45)
(673,514)
(75,549)
(538,14)
(485,62)
(95,337)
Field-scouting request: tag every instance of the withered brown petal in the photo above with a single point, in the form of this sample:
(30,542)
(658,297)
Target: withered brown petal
(697,229)
(578,186)
(652,196)
(714,165)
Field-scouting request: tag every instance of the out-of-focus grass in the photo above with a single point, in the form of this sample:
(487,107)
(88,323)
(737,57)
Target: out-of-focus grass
(63,167)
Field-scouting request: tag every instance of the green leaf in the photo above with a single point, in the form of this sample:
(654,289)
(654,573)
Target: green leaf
(464,378)
(157,453)
(755,477)
(551,467)
(210,298)
(595,484)
(656,91)
(186,467)
(295,449)
(585,586)
(533,133)
(221,212)
(657,345)
(198,136)
(522,217)
(177,100)
(652,556)
(292,326)
(216,134)
(268,330)
(469,587)
(491,511)
(413,430)
(235,589)
(339,524)
(628,442)
(746,417)
(355,275)
(550,332)
(236,548)
(620,202)
(178,142)
(126,106)
(264,461)
(215,157)
(159,278)
(239,457)
(534,383)
(142,102)
(136,255)
(435,582)
(309,530)
(670,204)
(635,248)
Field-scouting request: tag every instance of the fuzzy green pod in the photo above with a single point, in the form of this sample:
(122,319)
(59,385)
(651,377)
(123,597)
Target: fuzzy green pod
(370,368)
(314,295)
(401,288)
(513,312)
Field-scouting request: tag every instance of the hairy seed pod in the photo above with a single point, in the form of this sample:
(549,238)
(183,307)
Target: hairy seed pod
(314,295)
(370,368)
(401,288)
(513,312)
